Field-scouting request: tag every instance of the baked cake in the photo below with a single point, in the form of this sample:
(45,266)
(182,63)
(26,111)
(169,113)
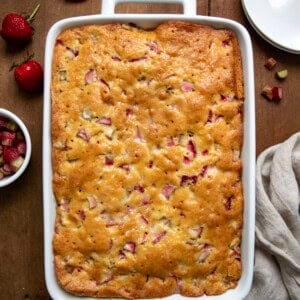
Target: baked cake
(146,135)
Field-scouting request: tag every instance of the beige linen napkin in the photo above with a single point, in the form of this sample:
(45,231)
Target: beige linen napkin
(277,254)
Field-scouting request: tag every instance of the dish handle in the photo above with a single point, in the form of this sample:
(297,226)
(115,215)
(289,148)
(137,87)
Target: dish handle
(189,6)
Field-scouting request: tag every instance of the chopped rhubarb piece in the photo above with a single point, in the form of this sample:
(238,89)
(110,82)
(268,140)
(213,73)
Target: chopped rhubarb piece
(205,152)
(204,170)
(137,59)
(62,75)
(129,112)
(146,201)
(21,146)
(86,114)
(195,232)
(150,164)
(104,120)
(186,160)
(12,126)
(167,190)
(122,254)
(204,253)
(3,122)
(282,74)
(107,279)
(104,82)
(92,201)
(72,53)
(17,163)
(116,58)
(7,169)
(81,215)
(187,86)
(59,42)
(267,92)
(185,179)
(218,118)
(139,188)
(90,76)
(153,46)
(170,142)
(192,148)
(7,138)
(143,238)
(270,63)
(109,161)
(225,98)
(65,204)
(277,93)
(158,236)
(10,154)
(126,168)
(210,116)
(138,134)
(228,203)
(144,220)
(83,135)
(130,247)
(225,43)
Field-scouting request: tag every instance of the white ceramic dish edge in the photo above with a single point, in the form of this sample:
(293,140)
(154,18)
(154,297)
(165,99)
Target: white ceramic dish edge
(248,153)
(10,179)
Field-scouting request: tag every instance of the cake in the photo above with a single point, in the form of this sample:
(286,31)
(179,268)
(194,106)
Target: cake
(147,130)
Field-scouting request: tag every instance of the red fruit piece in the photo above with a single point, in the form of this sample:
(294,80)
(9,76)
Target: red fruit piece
(90,76)
(139,188)
(186,160)
(16,29)
(150,164)
(204,253)
(81,215)
(277,93)
(7,138)
(158,237)
(130,247)
(192,148)
(228,203)
(205,152)
(83,135)
(21,146)
(267,92)
(116,58)
(10,154)
(195,232)
(270,63)
(187,86)
(29,76)
(167,190)
(109,161)
(204,171)
(170,142)
(153,46)
(185,179)
(3,122)
(105,121)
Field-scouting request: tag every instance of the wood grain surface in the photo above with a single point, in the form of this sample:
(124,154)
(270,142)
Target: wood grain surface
(21,218)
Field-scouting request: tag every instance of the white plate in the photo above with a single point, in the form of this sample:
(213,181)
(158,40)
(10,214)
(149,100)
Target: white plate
(277,21)
(248,152)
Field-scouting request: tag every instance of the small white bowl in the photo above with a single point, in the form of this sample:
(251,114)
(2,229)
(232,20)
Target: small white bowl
(11,178)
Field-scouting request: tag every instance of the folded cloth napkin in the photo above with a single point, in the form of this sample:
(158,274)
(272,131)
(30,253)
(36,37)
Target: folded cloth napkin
(277,253)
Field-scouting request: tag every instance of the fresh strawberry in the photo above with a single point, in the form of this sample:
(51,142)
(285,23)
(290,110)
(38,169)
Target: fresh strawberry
(16,28)
(29,76)
(10,154)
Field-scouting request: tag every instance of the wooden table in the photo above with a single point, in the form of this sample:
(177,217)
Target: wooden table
(21,220)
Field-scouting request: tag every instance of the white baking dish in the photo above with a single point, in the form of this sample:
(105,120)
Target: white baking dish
(248,153)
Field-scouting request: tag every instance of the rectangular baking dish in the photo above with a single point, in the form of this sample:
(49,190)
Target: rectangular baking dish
(248,152)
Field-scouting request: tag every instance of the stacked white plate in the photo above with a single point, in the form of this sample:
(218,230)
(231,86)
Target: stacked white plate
(277,21)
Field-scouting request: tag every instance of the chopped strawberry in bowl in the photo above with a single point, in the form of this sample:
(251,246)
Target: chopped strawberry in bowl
(15,147)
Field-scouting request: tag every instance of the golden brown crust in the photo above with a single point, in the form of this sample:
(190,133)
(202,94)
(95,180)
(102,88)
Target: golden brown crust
(147,133)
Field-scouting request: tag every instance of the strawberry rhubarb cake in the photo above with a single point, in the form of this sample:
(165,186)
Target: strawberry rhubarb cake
(146,141)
